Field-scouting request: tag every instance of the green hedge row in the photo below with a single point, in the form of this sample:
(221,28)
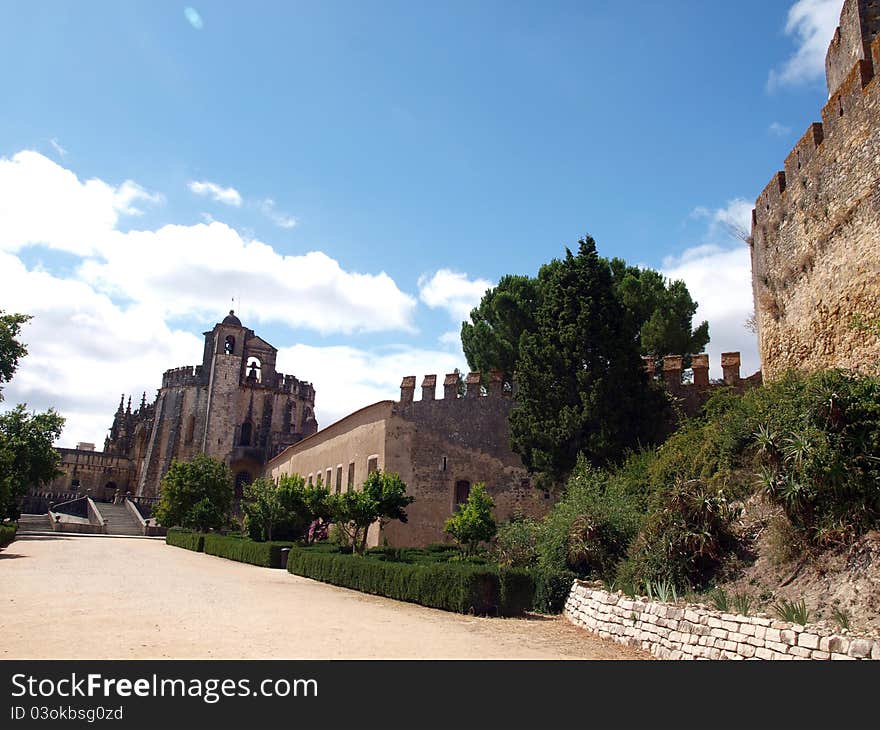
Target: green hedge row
(185,539)
(464,588)
(7,534)
(233,547)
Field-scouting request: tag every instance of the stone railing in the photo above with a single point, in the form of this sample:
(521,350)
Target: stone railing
(693,631)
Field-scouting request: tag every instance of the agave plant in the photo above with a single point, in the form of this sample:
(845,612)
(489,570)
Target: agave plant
(792,611)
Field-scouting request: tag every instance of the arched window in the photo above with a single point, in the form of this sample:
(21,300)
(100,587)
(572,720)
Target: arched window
(462,491)
(246,434)
(229,345)
(253,369)
(190,430)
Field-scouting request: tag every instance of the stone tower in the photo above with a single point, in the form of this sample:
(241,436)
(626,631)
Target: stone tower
(815,242)
(234,407)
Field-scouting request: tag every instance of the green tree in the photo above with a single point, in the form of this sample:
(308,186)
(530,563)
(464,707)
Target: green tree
(383,499)
(581,381)
(11,349)
(473,522)
(27,457)
(491,338)
(196,494)
(659,312)
(262,507)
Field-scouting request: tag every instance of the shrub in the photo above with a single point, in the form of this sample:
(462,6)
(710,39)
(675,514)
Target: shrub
(473,523)
(452,586)
(686,535)
(185,539)
(7,534)
(516,544)
(816,455)
(233,547)
(588,530)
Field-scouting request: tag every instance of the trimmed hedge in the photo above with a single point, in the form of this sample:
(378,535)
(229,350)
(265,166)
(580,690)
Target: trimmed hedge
(7,534)
(244,550)
(460,587)
(185,539)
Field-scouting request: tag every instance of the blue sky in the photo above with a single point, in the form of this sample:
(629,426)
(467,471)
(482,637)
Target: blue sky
(357,173)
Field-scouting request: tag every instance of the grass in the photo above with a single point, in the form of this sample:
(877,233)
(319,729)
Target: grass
(720,600)
(841,617)
(792,611)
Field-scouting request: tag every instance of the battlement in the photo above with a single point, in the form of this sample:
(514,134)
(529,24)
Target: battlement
(456,387)
(859,26)
(855,99)
(694,392)
(182,376)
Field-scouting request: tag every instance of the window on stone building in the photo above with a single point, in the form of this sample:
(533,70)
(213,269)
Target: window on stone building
(462,491)
(229,345)
(246,435)
(74,484)
(190,429)
(338,479)
(310,479)
(242,479)
(350,484)
(443,463)
(372,464)
(329,478)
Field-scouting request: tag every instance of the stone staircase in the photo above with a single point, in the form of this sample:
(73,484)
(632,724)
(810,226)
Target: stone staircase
(118,520)
(34,523)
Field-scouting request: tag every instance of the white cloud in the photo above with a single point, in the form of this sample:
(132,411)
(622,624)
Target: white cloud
(282,220)
(103,330)
(452,291)
(718,274)
(193,18)
(56,145)
(83,350)
(186,270)
(227,196)
(780,130)
(733,220)
(349,378)
(812,23)
(128,193)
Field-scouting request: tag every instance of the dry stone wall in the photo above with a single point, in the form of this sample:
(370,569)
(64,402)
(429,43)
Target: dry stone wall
(693,631)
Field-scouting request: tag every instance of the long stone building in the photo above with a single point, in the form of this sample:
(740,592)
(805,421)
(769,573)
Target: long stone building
(815,240)
(440,447)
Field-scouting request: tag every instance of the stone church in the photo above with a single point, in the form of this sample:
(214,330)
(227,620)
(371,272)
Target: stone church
(234,406)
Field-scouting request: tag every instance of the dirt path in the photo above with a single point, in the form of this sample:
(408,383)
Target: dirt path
(92,597)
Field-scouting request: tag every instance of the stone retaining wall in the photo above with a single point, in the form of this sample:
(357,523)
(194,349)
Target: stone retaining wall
(693,631)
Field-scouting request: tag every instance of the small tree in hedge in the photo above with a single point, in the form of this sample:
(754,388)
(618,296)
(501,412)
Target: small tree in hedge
(263,510)
(196,495)
(473,523)
(382,498)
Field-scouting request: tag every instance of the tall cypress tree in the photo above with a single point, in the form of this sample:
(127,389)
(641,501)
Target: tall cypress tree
(581,384)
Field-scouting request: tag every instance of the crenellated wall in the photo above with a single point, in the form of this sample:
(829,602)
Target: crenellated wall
(692,394)
(815,240)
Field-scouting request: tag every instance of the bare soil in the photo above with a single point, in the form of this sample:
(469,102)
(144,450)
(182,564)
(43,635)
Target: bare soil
(843,577)
(98,597)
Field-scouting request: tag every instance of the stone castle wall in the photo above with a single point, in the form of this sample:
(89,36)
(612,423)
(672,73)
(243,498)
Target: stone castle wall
(693,631)
(815,243)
